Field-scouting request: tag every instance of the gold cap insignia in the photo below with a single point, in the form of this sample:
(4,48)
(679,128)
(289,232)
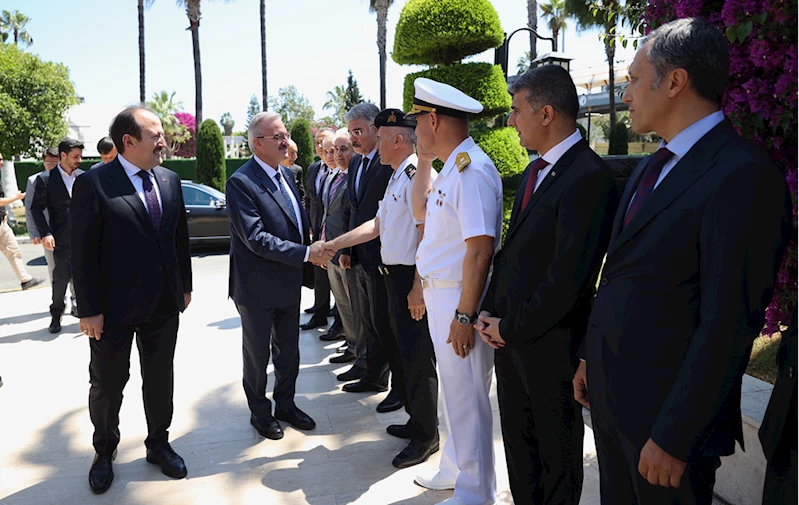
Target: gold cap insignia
(391,118)
(462,161)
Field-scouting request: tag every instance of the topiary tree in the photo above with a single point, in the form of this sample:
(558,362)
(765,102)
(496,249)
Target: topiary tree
(617,143)
(301,135)
(211,169)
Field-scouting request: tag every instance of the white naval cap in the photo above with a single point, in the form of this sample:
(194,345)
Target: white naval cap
(433,96)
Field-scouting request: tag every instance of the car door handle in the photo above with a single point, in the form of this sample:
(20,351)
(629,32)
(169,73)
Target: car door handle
(188,211)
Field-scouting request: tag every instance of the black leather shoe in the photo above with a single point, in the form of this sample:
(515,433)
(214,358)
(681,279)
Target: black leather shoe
(268,428)
(414,453)
(296,418)
(164,456)
(309,310)
(101,475)
(343,358)
(363,386)
(343,347)
(389,404)
(313,323)
(55,324)
(353,374)
(401,430)
(333,334)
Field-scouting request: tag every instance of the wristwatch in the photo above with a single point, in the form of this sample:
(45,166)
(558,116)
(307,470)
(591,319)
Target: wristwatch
(465,319)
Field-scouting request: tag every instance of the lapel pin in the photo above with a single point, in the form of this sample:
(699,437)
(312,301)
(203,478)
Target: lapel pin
(163,180)
(554,173)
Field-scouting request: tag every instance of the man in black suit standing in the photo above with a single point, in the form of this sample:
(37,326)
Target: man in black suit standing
(132,274)
(53,193)
(779,427)
(296,170)
(366,188)
(539,298)
(315,185)
(693,255)
(268,246)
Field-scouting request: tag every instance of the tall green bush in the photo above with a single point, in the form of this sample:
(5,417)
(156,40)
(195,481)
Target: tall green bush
(301,135)
(617,143)
(211,169)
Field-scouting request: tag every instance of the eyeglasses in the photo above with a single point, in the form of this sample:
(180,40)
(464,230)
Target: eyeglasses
(280,137)
(357,132)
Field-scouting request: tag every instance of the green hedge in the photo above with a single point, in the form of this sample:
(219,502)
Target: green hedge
(502,146)
(617,143)
(211,169)
(482,81)
(440,32)
(301,135)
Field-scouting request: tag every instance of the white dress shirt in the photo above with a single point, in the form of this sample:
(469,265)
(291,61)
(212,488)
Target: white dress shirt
(138,184)
(320,177)
(69,179)
(553,155)
(371,157)
(293,200)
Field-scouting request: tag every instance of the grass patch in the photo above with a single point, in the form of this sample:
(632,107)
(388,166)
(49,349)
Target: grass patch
(763,360)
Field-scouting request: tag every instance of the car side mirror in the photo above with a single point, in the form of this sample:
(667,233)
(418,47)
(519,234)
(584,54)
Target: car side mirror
(220,204)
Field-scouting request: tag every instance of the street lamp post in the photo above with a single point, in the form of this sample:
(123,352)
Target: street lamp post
(551,58)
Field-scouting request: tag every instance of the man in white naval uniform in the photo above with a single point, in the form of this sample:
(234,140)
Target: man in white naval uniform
(399,235)
(463,224)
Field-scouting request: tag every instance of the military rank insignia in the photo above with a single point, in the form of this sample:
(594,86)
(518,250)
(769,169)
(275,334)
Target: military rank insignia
(440,198)
(392,118)
(462,161)
(410,171)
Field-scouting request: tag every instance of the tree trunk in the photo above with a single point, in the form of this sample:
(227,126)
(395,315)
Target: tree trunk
(532,22)
(555,37)
(382,15)
(610,51)
(193,12)
(264,95)
(141,52)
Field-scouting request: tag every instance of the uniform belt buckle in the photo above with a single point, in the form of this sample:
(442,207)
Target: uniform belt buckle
(382,269)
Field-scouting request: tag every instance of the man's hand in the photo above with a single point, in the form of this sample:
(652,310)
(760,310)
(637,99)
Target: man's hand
(659,467)
(318,254)
(345,261)
(331,245)
(580,385)
(92,326)
(48,243)
(416,301)
(426,158)
(461,337)
(36,241)
(186,300)
(20,195)
(489,329)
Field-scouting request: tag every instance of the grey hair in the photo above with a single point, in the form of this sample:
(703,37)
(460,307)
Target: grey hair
(366,110)
(255,122)
(324,131)
(549,85)
(696,46)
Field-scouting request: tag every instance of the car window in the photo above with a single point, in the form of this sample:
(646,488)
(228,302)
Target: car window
(194,196)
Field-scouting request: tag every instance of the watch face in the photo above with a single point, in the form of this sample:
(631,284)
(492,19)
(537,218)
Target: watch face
(463,319)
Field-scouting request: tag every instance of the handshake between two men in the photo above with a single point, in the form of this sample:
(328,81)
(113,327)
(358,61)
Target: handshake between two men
(321,252)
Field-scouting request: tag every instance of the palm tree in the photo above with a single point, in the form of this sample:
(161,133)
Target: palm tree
(555,10)
(381,8)
(14,23)
(336,101)
(265,97)
(532,23)
(143,4)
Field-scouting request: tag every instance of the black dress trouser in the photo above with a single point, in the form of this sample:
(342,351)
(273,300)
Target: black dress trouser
(321,289)
(370,306)
(62,275)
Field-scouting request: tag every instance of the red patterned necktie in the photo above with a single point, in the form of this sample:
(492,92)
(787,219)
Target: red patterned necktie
(153,207)
(537,166)
(647,183)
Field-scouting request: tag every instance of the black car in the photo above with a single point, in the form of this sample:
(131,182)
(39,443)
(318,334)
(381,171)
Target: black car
(206,213)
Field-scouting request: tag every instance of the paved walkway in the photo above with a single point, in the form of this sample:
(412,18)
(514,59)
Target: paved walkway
(45,432)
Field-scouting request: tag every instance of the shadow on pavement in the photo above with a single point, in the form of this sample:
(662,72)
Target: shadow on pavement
(23,318)
(42,335)
(37,262)
(226,324)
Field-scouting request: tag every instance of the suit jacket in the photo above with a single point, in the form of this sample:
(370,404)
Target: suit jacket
(267,250)
(313,199)
(51,195)
(544,275)
(683,294)
(779,423)
(337,214)
(30,192)
(299,179)
(364,203)
(119,264)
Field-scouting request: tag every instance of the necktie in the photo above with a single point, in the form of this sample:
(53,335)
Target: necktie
(647,183)
(151,199)
(362,173)
(285,193)
(537,166)
(333,187)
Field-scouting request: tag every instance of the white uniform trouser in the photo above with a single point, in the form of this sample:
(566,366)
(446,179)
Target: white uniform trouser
(468,456)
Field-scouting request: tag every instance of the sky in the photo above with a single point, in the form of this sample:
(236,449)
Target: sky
(311,44)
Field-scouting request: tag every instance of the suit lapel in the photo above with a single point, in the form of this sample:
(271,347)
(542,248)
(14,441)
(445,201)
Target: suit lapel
(368,175)
(167,195)
(266,182)
(58,183)
(629,190)
(119,180)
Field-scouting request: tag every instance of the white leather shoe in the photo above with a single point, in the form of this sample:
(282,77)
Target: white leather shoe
(436,482)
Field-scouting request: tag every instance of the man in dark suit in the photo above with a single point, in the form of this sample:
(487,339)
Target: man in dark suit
(296,170)
(537,304)
(107,150)
(53,192)
(367,185)
(694,251)
(132,272)
(779,427)
(317,175)
(268,246)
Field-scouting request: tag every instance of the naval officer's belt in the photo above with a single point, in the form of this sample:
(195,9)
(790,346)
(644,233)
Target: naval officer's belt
(428,283)
(387,270)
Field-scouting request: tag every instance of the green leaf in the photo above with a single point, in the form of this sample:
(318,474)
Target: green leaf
(595,12)
(744,30)
(624,43)
(732,33)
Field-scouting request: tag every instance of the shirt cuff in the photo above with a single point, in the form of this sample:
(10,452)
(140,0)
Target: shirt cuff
(307,253)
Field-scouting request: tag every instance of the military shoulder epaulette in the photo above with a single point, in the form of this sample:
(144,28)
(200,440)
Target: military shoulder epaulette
(462,161)
(410,171)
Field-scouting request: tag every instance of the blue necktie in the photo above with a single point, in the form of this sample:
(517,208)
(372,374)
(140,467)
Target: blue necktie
(285,194)
(153,208)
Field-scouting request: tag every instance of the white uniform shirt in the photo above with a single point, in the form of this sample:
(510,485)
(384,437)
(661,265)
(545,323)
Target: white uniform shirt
(398,232)
(69,179)
(460,205)
(132,170)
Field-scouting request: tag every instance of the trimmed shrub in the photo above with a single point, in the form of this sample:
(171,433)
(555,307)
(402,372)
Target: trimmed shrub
(185,168)
(445,31)
(482,81)
(301,135)
(211,169)
(617,143)
(502,146)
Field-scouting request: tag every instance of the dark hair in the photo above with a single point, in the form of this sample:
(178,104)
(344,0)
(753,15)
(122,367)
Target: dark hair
(125,123)
(696,46)
(549,85)
(50,151)
(68,144)
(105,145)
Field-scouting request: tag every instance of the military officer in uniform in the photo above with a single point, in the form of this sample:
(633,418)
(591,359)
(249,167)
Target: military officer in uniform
(399,235)
(463,224)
